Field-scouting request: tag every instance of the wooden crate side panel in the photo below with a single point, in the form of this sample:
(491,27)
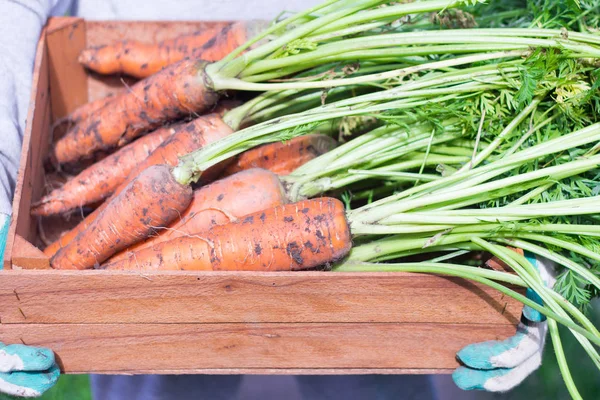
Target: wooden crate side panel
(30,178)
(68,80)
(188,347)
(27,256)
(218,297)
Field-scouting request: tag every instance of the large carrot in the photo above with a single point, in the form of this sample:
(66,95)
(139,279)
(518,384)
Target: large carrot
(195,134)
(176,92)
(282,157)
(294,236)
(152,200)
(84,111)
(141,60)
(218,203)
(100,180)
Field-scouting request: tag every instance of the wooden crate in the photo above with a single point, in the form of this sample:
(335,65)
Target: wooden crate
(221,322)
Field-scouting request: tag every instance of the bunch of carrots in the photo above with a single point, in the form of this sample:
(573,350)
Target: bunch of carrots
(378,131)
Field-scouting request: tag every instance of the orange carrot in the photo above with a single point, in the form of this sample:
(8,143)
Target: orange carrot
(218,203)
(289,237)
(142,60)
(177,91)
(153,199)
(283,157)
(87,109)
(100,180)
(191,136)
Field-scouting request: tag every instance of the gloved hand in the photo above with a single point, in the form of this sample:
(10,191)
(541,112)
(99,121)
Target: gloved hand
(24,370)
(498,366)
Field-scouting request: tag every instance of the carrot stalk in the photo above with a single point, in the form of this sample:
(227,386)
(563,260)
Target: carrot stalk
(141,60)
(283,157)
(152,200)
(175,92)
(294,236)
(218,203)
(193,135)
(100,180)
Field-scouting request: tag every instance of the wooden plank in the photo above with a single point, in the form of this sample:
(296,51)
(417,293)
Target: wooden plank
(286,371)
(30,178)
(186,297)
(25,255)
(68,80)
(183,347)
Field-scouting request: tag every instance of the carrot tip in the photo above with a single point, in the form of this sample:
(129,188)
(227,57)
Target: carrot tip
(85,57)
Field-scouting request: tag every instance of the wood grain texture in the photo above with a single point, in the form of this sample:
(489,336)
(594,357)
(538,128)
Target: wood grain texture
(218,297)
(185,347)
(27,256)
(68,81)
(30,178)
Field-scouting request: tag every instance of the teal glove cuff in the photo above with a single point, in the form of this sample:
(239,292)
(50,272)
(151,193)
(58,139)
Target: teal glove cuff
(528,312)
(4,224)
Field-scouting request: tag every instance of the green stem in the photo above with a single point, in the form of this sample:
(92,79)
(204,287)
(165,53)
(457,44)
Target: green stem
(376,214)
(394,53)
(562,361)
(233,66)
(580,137)
(559,259)
(223,83)
(429,267)
(505,132)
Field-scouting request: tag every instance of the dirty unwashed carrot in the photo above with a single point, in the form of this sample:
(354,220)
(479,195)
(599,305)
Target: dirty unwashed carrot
(294,236)
(87,109)
(218,203)
(283,157)
(253,187)
(175,92)
(141,60)
(133,215)
(193,135)
(100,180)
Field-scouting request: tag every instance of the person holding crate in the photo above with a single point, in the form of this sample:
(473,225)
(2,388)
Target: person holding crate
(28,371)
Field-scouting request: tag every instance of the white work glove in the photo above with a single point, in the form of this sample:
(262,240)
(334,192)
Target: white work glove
(498,366)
